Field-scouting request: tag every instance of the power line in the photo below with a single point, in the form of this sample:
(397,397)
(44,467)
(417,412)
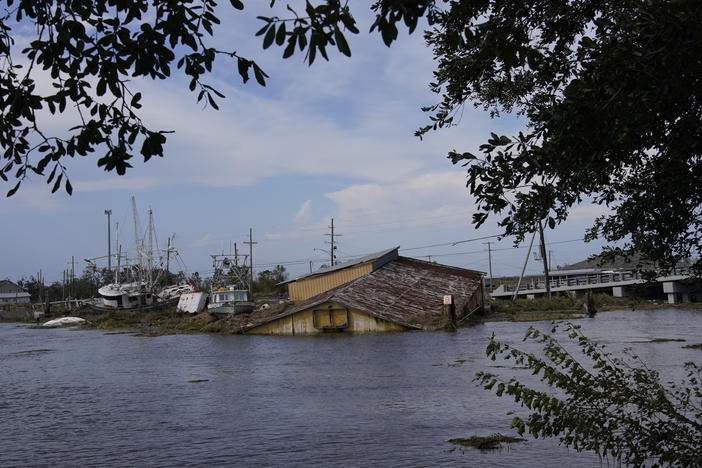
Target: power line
(450,243)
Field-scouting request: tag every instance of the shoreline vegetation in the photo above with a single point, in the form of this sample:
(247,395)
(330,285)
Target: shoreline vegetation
(169,321)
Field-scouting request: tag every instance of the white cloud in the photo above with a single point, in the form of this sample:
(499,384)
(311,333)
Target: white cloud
(32,198)
(303,215)
(206,240)
(127,182)
(419,202)
(588,212)
(311,230)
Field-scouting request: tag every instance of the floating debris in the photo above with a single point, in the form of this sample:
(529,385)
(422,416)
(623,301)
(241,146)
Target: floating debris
(694,346)
(490,442)
(661,340)
(198,380)
(33,351)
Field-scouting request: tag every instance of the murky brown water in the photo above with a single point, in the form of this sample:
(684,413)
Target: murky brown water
(86,398)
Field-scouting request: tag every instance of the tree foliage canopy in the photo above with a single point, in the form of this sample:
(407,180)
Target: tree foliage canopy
(90,49)
(610,92)
(613,406)
(269,280)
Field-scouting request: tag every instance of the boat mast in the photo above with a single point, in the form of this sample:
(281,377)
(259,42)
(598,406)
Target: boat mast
(119,257)
(118,249)
(150,253)
(136,239)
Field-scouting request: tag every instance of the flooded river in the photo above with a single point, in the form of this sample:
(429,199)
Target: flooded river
(89,398)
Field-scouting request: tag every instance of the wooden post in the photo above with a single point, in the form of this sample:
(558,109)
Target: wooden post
(450,310)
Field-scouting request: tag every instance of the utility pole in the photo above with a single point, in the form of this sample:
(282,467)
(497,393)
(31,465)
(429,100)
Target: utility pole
(332,255)
(489,244)
(545,259)
(331,251)
(168,262)
(251,244)
(109,245)
(526,260)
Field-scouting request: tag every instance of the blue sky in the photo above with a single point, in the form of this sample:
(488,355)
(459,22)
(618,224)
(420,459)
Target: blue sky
(334,140)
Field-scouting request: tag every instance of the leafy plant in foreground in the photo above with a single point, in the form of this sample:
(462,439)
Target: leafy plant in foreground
(614,406)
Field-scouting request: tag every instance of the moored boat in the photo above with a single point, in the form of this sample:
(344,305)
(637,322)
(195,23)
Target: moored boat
(231,285)
(126,295)
(228,300)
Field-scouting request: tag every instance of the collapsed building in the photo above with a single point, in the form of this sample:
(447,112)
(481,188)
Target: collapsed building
(381,292)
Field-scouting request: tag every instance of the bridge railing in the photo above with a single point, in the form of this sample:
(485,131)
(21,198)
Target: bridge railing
(585,279)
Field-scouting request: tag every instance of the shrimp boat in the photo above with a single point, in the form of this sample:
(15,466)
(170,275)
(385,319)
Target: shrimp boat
(140,291)
(230,293)
(135,295)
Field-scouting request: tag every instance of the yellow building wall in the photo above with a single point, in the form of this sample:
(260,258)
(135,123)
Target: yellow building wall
(306,288)
(302,323)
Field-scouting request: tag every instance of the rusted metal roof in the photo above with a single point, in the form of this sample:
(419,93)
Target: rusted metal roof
(402,291)
(378,259)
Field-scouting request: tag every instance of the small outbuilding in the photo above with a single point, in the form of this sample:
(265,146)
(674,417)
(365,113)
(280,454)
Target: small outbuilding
(10,293)
(382,292)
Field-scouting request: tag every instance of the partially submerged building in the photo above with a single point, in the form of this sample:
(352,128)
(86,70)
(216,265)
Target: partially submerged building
(381,292)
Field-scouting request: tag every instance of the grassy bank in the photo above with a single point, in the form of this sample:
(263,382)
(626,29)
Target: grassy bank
(170,321)
(567,307)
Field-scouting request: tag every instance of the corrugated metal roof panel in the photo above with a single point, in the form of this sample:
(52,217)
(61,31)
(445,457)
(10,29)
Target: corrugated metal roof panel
(378,259)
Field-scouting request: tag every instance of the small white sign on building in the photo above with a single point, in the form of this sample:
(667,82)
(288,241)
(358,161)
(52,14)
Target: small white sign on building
(448,299)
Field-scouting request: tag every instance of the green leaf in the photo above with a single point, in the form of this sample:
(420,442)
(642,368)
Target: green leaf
(212,101)
(14,189)
(259,74)
(243,66)
(237,4)
(280,35)
(270,36)
(341,43)
(57,184)
(312,52)
(135,100)
(290,49)
(101,87)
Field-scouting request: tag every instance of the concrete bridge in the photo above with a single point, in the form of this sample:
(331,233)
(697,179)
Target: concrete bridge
(678,285)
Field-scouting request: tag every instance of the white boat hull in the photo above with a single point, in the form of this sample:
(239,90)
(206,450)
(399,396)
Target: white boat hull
(64,322)
(126,296)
